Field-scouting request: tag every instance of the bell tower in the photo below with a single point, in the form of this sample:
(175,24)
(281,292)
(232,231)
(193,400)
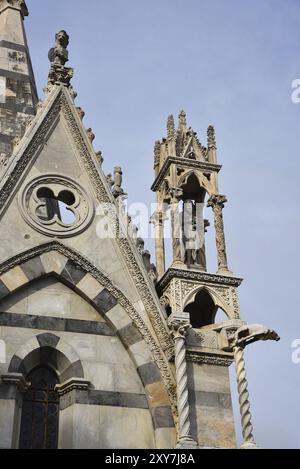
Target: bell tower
(18,94)
(186,183)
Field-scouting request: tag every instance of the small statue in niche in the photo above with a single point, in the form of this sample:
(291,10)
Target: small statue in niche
(59,55)
(193,227)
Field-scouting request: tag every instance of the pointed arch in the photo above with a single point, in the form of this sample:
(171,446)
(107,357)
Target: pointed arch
(98,289)
(202,180)
(216,297)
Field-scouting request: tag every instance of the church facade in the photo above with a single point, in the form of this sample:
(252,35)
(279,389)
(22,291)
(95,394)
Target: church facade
(100,348)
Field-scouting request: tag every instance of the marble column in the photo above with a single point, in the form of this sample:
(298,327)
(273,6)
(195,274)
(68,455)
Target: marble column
(179,325)
(158,219)
(176,193)
(217,202)
(247,427)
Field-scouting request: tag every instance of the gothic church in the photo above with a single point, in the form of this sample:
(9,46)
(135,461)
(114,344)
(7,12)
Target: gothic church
(100,347)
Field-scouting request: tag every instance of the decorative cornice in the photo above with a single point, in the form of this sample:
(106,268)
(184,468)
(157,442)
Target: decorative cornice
(72,384)
(198,276)
(187,163)
(16,379)
(208,359)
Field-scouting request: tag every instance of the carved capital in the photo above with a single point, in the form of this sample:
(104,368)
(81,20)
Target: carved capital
(176,193)
(179,325)
(217,201)
(16,4)
(158,218)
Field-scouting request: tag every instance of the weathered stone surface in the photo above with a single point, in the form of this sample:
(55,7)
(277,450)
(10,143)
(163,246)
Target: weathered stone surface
(105,301)
(18,95)
(149,373)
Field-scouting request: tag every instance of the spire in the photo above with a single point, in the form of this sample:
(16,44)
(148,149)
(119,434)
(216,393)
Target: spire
(171,126)
(182,120)
(211,145)
(18,95)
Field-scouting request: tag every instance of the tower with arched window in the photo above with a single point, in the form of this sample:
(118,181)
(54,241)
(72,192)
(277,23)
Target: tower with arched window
(186,186)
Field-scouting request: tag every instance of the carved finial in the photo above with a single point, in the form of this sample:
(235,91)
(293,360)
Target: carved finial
(99,157)
(211,138)
(90,135)
(171,126)
(182,120)
(156,154)
(80,112)
(19,4)
(59,56)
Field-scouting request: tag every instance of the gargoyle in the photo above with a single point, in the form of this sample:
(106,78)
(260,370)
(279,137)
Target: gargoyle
(248,334)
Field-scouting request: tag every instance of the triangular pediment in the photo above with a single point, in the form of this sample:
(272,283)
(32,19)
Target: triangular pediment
(56,157)
(192,149)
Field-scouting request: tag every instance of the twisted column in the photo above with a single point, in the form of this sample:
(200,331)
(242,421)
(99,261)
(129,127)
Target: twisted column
(217,203)
(242,383)
(244,336)
(180,327)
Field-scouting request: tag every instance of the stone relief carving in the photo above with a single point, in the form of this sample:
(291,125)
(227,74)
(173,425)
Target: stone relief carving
(217,360)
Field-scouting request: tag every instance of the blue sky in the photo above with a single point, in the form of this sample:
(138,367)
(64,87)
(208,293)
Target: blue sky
(226,62)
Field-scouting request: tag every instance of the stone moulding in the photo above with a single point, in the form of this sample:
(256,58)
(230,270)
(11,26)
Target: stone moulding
(194,164)
(16,379)
(200,276)
(209,358)
(71,385)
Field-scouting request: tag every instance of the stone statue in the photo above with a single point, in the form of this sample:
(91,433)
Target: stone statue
(192,238)
(59,55)
(118,179)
